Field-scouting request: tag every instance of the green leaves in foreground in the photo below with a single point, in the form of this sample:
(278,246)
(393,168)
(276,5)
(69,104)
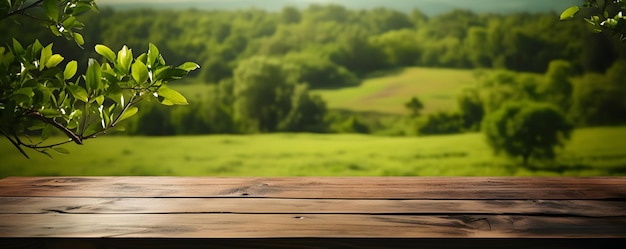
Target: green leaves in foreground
(38,92)
(42,95)
(106,52)
(607,16)
(171,97)
(569,12)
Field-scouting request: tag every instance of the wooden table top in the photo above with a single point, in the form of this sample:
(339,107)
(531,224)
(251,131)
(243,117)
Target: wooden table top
(313,207)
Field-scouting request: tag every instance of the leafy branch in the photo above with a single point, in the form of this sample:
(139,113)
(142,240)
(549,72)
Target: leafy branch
(19,9)
(602,15)
(42,95)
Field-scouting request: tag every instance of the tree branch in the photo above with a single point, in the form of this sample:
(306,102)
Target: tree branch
(46,146)
(36,18)
(133,100)
(16,143)
(18,11)
(77,139)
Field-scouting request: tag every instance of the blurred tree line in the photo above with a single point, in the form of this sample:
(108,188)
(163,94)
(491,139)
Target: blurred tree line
(262,64)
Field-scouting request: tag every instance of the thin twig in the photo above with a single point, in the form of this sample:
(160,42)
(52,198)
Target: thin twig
(56,124)
(18,11)
(15,143)
(46,146)
(26,14)
(133,100)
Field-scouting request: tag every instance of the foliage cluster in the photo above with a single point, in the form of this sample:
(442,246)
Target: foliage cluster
(602,15)
(330,46)
(518,111)
(527,129)
(41,92)
(336,46)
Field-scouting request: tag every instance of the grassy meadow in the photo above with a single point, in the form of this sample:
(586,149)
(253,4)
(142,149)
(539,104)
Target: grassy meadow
(437,88)
(591,152)
(385,92)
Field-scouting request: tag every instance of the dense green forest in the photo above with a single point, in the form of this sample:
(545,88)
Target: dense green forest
(261,65)
(430,7)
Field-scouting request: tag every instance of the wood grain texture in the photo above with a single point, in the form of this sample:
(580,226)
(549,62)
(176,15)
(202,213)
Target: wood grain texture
(37,205)
(310,243)
(321,187)
(312,212)
(306,226)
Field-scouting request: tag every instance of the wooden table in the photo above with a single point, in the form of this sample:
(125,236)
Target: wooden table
(306,212)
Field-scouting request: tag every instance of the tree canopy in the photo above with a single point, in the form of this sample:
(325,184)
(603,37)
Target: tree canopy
(527,129)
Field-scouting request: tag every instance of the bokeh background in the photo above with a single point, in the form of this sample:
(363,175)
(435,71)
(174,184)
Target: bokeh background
(346,87)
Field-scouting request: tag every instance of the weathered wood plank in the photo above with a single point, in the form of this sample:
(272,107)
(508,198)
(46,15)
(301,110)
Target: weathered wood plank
(329,187)
(309,243)
(34,205)
(305,226)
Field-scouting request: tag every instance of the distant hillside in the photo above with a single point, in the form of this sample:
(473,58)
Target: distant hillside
(437,88)
(430,7)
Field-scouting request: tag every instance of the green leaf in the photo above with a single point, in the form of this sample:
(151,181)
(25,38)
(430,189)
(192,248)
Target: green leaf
(143,58)
(81,7)
(114,92)
(70,70)
(74,116)
(171,96)
(54,60)
(36,48)
(46,53)
(61,150)
(50,113)
(124,59)
(45,152)
(93,77)
(52,9)
(55,30)
(106,52)
(100,99)
(78,38)
(17,47)
(93,128)
(129,113)
(42,95)
(23,95)
(570,12)
(47,131)
(78,92)
(69,22)
(28,91)
(167,73)
(153,55)
(189,66)
(139,72)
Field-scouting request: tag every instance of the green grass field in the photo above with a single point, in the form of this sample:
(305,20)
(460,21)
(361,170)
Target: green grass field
(592,152)
(436,88)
